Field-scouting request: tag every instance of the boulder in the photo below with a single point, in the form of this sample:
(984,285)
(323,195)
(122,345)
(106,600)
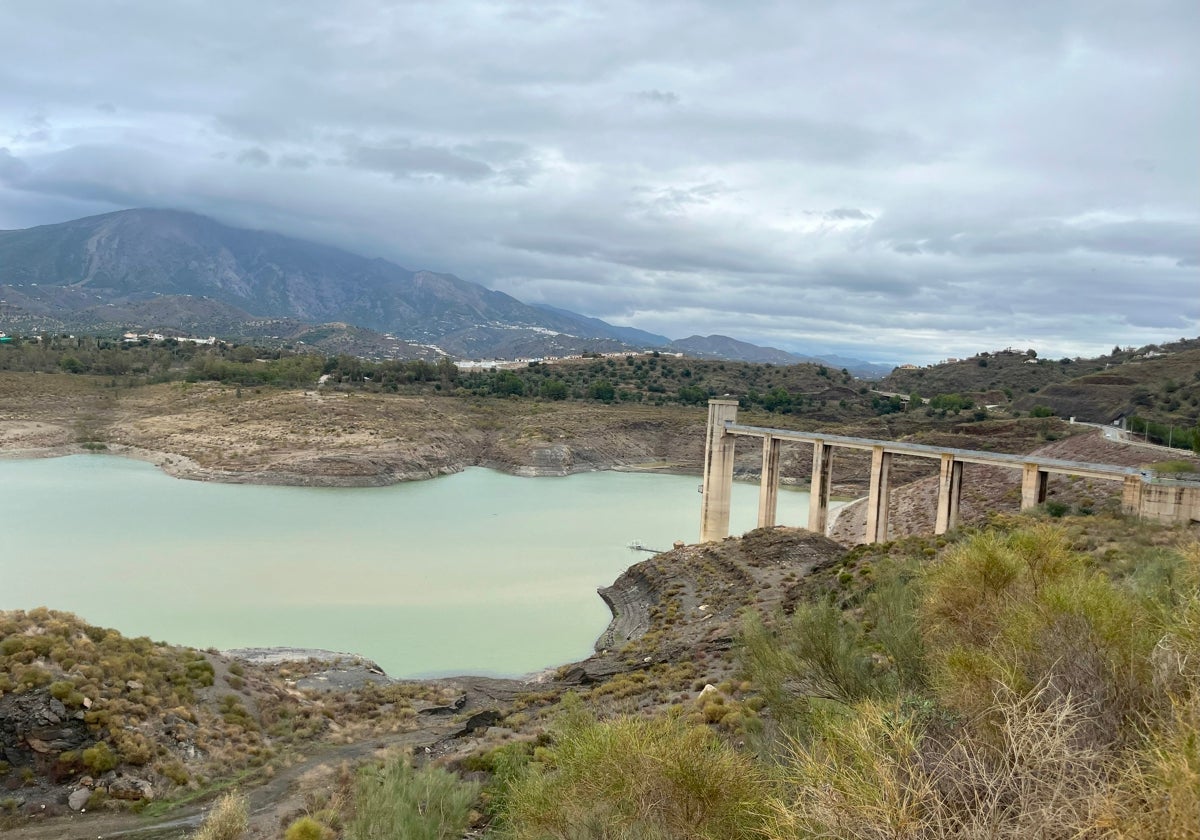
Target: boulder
(78,799)
(128,787)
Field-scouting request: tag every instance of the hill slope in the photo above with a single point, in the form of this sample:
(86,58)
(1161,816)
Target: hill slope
(65,271)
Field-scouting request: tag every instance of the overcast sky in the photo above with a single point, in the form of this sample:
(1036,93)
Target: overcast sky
(899,181)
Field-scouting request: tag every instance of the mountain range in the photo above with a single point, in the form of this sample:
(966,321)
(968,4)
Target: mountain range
(167,269)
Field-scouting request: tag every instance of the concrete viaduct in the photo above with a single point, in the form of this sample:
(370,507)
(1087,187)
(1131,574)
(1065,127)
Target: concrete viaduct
(1143,495)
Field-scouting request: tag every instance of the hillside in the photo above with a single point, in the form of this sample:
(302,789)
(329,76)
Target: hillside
(1154,390)
(1162,388)
(999,377)
(66,272)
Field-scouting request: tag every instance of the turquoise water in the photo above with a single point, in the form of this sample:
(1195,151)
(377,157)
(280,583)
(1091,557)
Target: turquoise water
(478,572)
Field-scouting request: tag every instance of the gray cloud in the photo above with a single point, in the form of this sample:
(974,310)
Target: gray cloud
(13,170)
(658,97)
(405,160)
(254,156)
(982,175)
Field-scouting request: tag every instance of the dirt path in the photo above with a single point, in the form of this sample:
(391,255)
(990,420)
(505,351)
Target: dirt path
(271,802)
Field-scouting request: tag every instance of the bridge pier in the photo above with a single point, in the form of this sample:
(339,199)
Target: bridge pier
(949,494)
(878,495)
(1131,495)
(1033,486)
(818,491)
(768,483)
(718,471)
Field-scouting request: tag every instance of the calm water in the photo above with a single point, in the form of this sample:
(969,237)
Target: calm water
(478,572)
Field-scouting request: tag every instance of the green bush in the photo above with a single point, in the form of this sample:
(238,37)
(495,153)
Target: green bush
(99,758)
(1056,509)
(306,828)
(1013,611)
(637,778)
(398,801)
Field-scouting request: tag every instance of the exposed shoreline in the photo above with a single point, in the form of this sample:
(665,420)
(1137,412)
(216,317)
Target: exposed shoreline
(183,467)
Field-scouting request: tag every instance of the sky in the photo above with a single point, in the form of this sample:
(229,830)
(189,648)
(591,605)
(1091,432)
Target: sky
(895,181)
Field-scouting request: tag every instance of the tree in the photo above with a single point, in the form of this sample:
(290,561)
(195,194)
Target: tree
(602,389)
(554,389)
(508,384)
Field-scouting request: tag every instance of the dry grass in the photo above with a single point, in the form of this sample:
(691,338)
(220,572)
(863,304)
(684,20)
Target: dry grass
(227,820)
(876,774)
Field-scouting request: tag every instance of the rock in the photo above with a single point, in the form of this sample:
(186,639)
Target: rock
(78,799)
(128,787)
(134,685)
(481,720)
(424,707)
(707,690)
(576,675)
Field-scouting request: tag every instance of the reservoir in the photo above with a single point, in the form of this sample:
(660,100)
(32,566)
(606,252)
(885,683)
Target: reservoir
(478,572)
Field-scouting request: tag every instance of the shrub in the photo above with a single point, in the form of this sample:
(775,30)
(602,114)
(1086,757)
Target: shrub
(306,828)
(99,758)
(1056,509)
(875,773)
(227,820)
(637,778)
(1018,610)
(397,801)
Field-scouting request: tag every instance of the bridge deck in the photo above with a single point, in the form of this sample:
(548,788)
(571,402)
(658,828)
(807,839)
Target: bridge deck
(920,450)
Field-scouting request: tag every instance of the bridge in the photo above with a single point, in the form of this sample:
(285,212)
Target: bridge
(1143,494)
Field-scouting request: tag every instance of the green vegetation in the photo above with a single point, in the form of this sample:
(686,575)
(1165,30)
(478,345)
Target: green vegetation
(306,828)
(1165,434)
(1172,467)
(1013,687)
(636,778)
(397,801)
(142,705)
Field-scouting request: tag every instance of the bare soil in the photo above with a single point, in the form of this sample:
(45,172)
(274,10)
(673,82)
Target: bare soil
(332,438)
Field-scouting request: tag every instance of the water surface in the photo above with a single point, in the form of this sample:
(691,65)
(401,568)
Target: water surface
(478,572)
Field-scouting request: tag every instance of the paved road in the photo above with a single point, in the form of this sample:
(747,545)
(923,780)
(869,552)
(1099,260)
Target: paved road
(1118,435)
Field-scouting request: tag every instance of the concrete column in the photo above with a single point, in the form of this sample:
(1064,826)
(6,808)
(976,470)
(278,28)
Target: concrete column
(1131,495)
(949,494)
(1033,486)
(878,495)
(818,491)
(718,471)
(768,483)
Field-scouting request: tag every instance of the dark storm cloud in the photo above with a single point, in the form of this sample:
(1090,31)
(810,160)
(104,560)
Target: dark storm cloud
(898,181)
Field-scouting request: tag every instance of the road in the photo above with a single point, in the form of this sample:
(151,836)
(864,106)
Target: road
(1118,435)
